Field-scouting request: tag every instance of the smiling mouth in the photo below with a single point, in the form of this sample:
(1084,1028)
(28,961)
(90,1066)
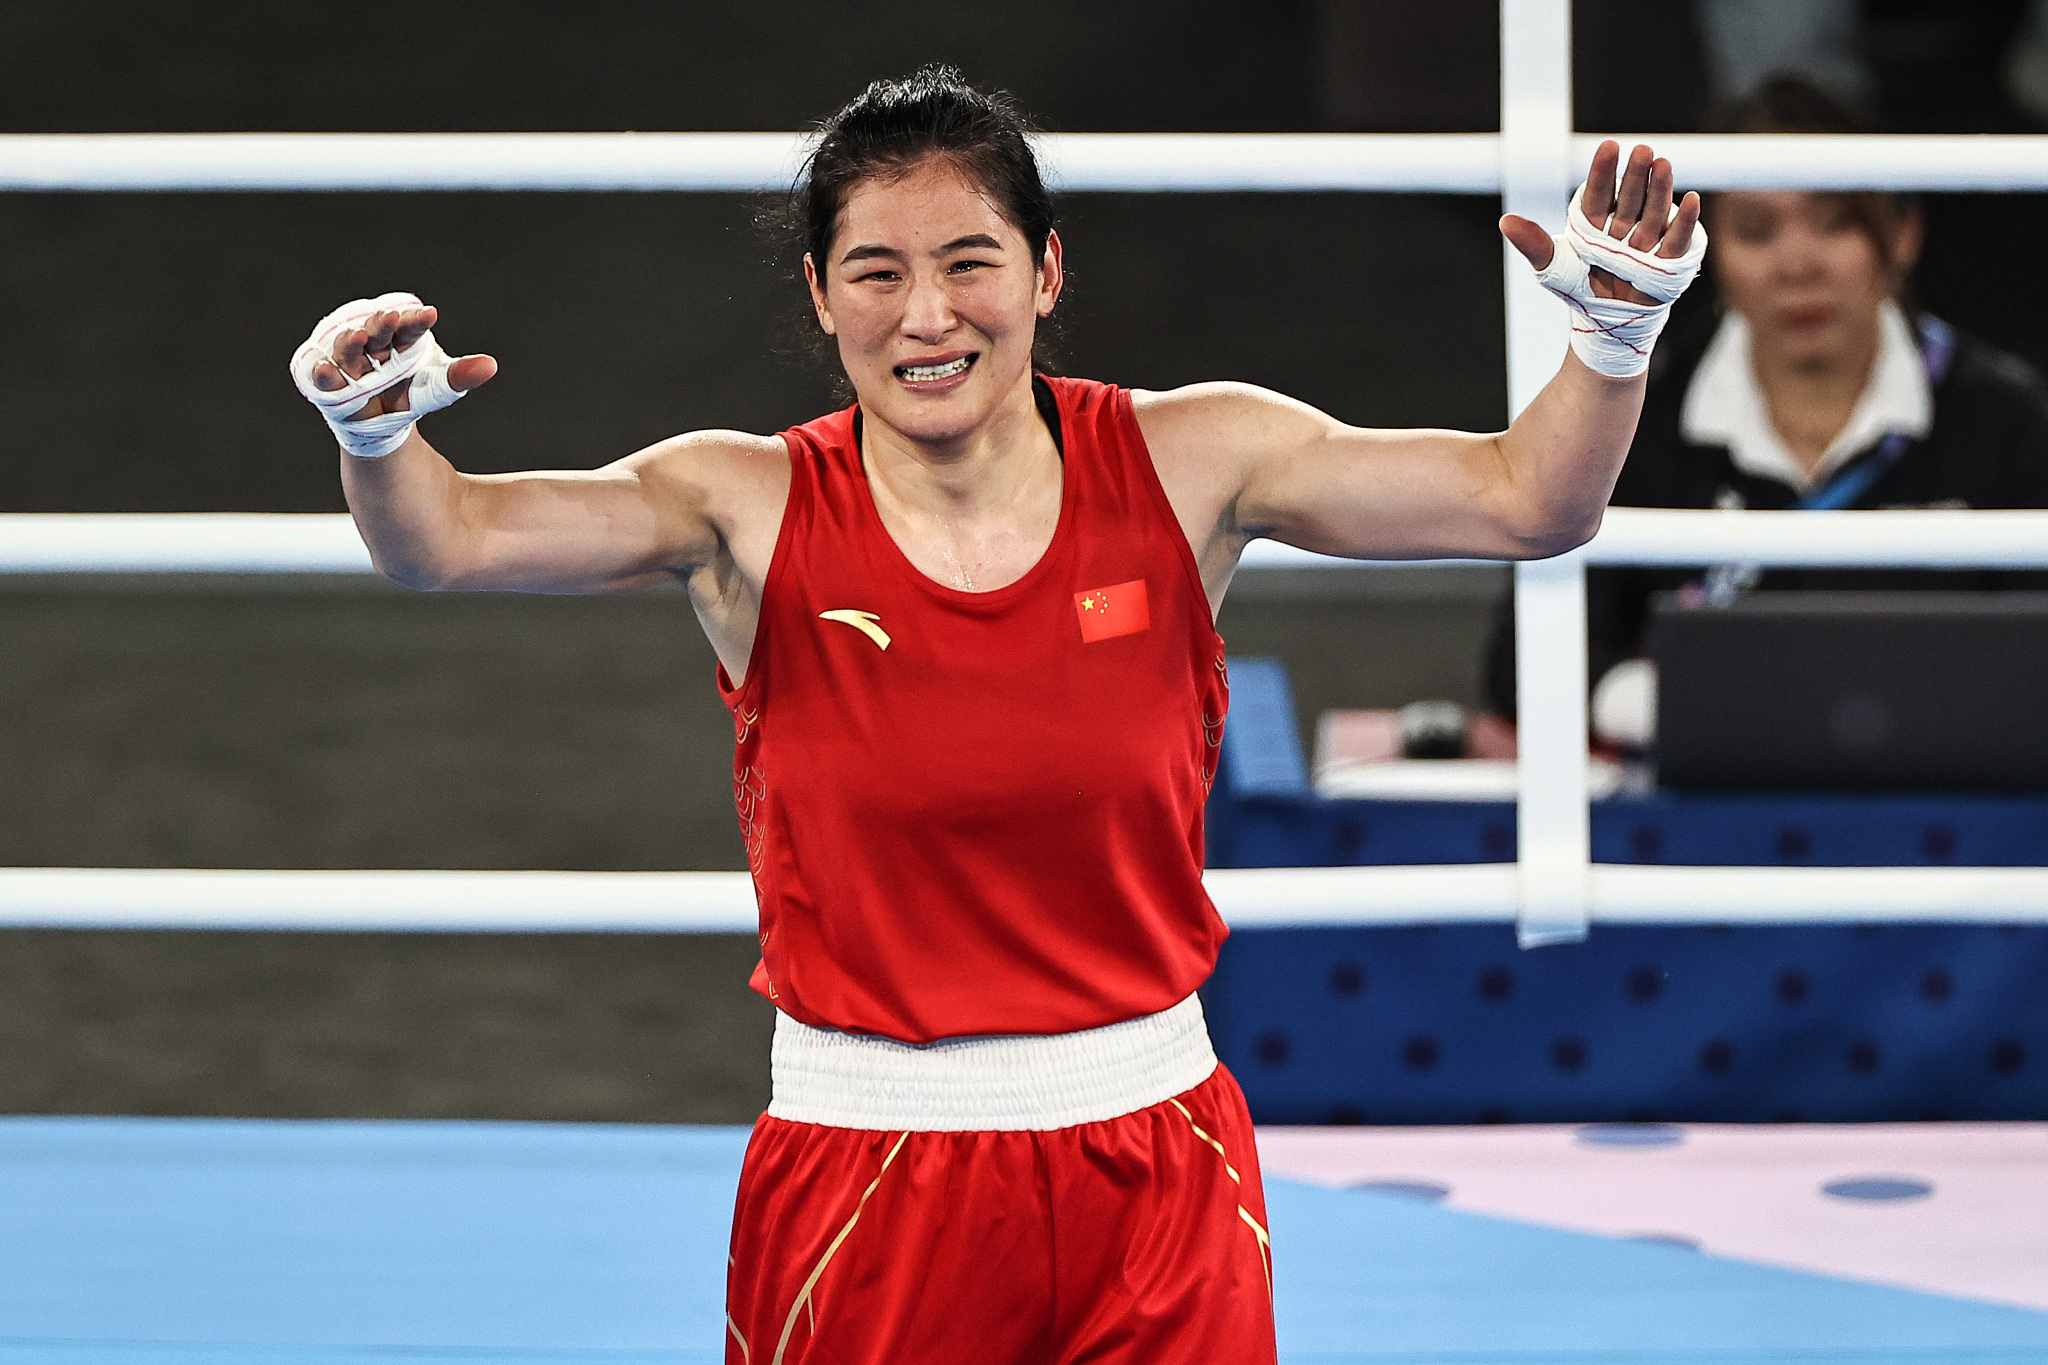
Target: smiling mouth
(929,374)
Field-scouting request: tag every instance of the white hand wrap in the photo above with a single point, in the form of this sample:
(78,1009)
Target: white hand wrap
(423,363)
(1612,337)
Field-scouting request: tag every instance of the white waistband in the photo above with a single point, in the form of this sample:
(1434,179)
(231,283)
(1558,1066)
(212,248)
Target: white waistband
(999,1083)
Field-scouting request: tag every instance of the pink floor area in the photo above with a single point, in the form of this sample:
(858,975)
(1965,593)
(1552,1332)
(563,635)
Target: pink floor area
(1952,1208)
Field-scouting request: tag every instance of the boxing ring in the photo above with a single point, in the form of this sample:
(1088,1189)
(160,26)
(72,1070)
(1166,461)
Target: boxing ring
(189,1240)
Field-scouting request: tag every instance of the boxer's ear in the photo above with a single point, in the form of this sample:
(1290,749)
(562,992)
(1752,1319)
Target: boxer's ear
(1052,275)
(817,287)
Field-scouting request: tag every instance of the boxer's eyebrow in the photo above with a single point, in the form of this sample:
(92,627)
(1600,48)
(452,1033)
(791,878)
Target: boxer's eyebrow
(868,253)
(871,251)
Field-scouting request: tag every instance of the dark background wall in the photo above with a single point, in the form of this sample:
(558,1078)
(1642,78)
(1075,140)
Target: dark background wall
(176,312)
(332,724)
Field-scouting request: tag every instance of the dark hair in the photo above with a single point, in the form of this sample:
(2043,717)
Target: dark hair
(890,129)
(1786,102)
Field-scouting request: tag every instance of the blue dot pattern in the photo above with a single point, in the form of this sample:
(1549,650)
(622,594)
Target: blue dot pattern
(1426,1191)
(1639,1024)
(1879,1188)
(1631,1135)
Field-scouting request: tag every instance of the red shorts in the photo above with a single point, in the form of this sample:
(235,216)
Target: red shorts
(1139,1240)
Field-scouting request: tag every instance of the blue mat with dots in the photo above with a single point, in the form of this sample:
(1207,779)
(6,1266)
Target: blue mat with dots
(175,1242)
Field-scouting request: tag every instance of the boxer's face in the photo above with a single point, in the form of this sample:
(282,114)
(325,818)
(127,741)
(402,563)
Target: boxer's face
(1806,274)
(934,300)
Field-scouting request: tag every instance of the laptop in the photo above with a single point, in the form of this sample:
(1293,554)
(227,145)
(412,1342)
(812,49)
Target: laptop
(1855,691)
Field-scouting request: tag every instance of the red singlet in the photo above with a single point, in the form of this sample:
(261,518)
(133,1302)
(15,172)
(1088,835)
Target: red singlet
(981,812)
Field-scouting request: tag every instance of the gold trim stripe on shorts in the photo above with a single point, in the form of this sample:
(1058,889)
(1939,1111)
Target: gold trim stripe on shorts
(803,1297)
(733,1327)
(1265,1242)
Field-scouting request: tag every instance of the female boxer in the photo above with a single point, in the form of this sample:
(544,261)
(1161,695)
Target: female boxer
(965,629)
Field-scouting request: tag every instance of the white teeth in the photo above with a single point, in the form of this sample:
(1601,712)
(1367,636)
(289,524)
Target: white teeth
(923,374)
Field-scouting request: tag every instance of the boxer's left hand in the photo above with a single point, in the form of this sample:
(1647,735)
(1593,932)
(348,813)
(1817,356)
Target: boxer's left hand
(1638,211)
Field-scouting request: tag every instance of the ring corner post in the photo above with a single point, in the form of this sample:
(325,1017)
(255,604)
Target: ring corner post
(1553,819)
(1535,177)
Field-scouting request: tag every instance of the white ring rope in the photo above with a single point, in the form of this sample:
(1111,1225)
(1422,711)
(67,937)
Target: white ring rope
(1447,163)
(363,901)
(1490,892)
(181,542)
(326,542)
(1249,898)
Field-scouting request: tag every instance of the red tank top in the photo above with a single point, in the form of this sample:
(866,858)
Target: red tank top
(981,812)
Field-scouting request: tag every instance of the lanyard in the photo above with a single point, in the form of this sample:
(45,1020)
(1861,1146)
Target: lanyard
(1725,582)
(1852,481)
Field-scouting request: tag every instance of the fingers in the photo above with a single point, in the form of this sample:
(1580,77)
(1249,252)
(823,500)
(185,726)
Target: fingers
(1597,202)
(380,334)
(412,325)
(349,353)
(1631,194)
(1640,203)
(1528,238)
(469,371)
(381,328)
(1678,237)
(1656,208)
(353,349)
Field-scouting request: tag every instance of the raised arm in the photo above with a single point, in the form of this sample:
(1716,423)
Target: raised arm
(668,510)
(1279,468)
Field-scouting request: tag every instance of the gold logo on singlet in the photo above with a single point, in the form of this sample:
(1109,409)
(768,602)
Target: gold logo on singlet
(862,621)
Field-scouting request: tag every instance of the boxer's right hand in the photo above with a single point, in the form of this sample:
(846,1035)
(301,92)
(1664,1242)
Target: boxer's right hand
(372,368)
(350,353)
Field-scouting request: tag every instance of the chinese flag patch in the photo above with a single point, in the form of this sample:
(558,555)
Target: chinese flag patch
(1120,609)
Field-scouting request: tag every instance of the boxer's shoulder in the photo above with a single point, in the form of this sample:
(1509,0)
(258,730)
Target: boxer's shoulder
(732,478)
